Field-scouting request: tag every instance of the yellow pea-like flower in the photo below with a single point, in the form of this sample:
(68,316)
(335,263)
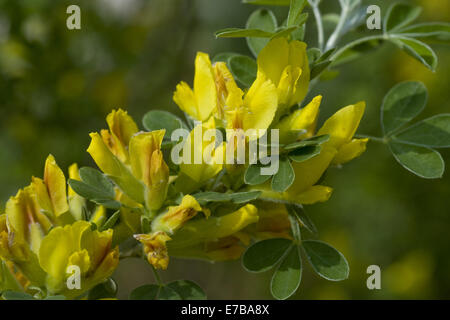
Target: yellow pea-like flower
(80,246)
(292,126)
(200,101)
(51,191)
(286,65)
(342,127)
(155,248)
(196,148)
(177,216)
(197,231)
(121,128)
(148,165)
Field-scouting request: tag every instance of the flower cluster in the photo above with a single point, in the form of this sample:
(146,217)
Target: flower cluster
(193,210)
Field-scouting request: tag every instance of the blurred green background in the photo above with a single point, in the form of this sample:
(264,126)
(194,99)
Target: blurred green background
(58,85)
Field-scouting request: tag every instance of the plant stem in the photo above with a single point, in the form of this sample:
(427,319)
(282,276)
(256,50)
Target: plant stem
(377,139)
(332,41)
(156,275)
(355,43)
(318,17)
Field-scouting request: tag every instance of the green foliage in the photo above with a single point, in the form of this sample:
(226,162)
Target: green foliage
(14,295)
(265,254)
(304,153)
(400,15)
(104,290)
(243,69)
(411,146)
(284,177)
(401,104)
(288,275)
(238,197)
(187,290)
(157,119)
(261,19)
(96,187)
(326,261)
(253,175)
(299,212)
(111,222)
(417,49)
(423,162)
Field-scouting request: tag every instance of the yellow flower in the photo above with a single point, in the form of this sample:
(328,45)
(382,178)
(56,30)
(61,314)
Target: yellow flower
(137,165)
(177,216)
(148,165)
(22,228)
(214,238)
(202,100)
(340,148)
(256,110)
(341,127)
(51,191)
(196,149)
(292,127)
(273,222)
(77,245)
(121,128)
(286,65)
(215,92)
(155,247)
(76,202)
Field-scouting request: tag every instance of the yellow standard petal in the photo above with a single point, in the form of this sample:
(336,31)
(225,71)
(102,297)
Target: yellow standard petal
(177,216)
(342,125)
(350,150)
(292,126)
(202,100)
(121,128)
(55,181)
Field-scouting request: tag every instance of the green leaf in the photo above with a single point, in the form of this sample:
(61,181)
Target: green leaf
(97,180)
(402,104)
(167,293)
(145,292)
(157,120)
(244,197)
(7,280)
(268,2)
(243,69)
(238,197)
(224,57)
(423,162)
(261,19)
(285,176)
(295,10)
(432,32)
(313,55)
(313,141)
(356,49)
(284,32)
(287,277)
(326,261)
(107,289)
(433,132)
(13,295)
(265,254)
(400,15)
(109,224)
(304,153)
(96,187)
(187,290)
(301,215)
(253,175)
(318,68)
(418,50)
(242,33)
